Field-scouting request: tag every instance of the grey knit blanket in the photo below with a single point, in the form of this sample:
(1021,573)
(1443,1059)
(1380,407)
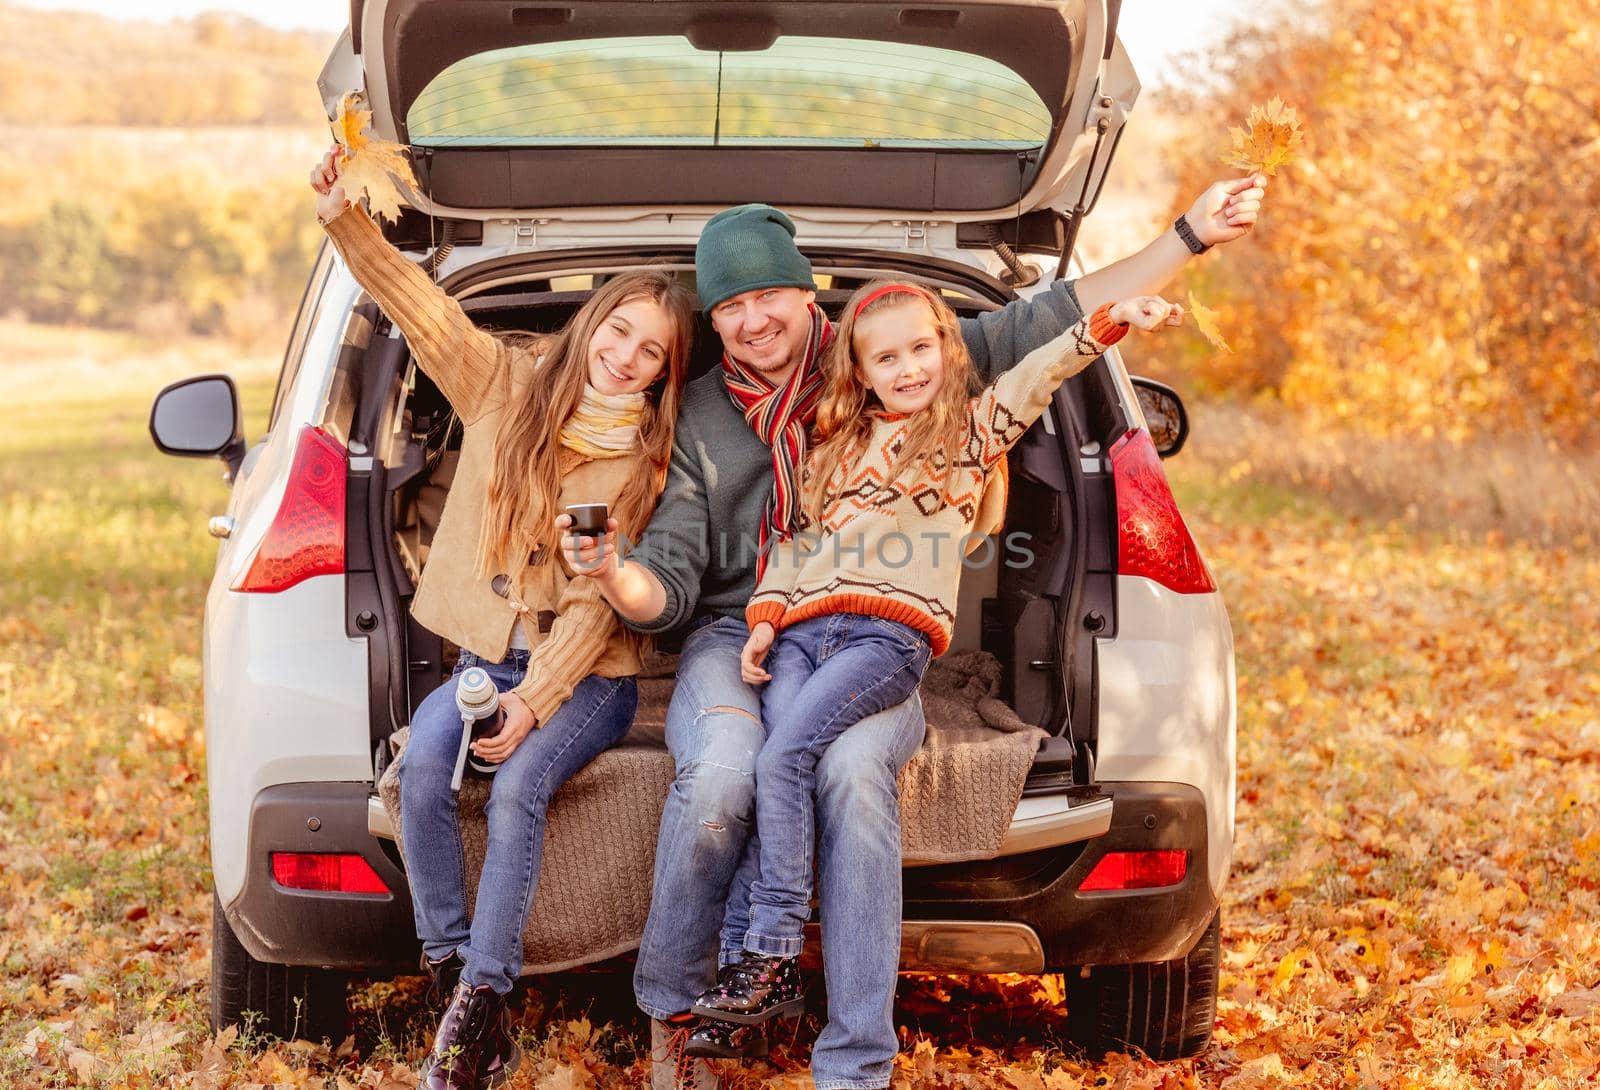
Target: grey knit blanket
(957,796)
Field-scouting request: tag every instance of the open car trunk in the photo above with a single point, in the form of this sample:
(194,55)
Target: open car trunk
(838,110)
(1003,772)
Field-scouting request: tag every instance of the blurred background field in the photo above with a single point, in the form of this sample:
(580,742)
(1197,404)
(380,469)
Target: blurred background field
(1414,327)
(1394,475)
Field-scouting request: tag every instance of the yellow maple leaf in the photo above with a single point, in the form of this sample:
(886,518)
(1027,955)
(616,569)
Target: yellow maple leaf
(1206,320)
(1270,139)
(371,166)
(1288,966)
(351,122)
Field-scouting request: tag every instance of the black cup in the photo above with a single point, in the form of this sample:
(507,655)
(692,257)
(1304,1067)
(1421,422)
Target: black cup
(588,519)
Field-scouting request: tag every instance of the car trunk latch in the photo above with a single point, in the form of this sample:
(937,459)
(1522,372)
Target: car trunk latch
(525,233)
(916,233)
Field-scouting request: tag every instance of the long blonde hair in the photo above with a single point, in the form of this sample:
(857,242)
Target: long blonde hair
(525,479)
(844,423)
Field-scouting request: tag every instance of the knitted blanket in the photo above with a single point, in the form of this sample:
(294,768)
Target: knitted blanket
(957,796)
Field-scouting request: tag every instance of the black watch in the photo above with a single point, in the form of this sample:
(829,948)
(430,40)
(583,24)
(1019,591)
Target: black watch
(1190,239)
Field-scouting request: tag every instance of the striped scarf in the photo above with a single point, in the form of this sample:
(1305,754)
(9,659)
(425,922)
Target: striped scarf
(603,425)
(780,416)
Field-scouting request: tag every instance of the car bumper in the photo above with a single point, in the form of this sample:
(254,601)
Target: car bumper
(1014,914)
(352,931)
(1039,892)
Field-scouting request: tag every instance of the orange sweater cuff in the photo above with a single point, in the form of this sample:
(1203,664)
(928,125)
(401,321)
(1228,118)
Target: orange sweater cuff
(1103,329)
(770,612)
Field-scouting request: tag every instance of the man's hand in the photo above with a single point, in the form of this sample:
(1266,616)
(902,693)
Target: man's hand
(518,722)
(595,557)
(1227,210)
(755,652)
(1147,312)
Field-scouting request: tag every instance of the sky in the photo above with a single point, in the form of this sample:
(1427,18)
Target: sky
(1153,31)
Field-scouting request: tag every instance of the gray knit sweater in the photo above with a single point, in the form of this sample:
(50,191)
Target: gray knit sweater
(701,542)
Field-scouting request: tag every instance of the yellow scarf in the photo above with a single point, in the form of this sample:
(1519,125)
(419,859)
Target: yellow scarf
(604,425)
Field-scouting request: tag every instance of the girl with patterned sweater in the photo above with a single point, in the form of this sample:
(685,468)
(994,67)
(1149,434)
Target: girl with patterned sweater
(585,415)
(909,468)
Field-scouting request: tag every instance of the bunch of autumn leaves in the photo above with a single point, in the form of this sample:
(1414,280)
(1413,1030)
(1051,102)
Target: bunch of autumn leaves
(1270,139)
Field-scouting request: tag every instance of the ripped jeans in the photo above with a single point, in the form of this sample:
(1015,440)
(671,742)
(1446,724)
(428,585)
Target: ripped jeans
(707,857)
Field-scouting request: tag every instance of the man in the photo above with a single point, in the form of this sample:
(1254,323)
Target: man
(733,484)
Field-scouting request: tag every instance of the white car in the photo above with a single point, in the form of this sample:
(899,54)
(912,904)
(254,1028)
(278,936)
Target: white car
(961,143)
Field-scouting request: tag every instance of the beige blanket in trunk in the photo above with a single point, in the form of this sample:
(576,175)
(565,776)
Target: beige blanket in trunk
(957,796)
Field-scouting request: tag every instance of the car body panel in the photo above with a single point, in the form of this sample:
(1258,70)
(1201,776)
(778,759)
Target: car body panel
(1167,714)
(285,702)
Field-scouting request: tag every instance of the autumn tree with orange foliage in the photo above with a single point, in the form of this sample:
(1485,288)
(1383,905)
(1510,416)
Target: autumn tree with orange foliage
(1430,263)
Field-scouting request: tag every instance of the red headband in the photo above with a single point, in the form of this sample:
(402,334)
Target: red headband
(892,289)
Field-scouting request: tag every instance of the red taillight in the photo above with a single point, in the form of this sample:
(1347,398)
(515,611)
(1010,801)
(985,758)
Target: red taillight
(325,872)
(1152,539)
(1137,870)
(306,537)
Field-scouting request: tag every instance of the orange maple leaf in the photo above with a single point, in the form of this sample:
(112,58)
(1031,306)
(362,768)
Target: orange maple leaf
(1271,139)
(372,166)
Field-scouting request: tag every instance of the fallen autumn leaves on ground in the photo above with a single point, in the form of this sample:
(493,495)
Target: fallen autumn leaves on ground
(1413,896)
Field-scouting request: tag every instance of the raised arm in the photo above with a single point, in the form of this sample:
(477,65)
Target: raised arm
(999,339)
(1225,211)
(1025,391)
(467,363)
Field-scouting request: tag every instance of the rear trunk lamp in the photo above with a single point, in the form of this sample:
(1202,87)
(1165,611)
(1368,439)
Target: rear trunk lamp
(306,537)
(1137,870)
(326,873)
(1152,539)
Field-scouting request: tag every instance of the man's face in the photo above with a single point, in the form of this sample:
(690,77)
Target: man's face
(765,329)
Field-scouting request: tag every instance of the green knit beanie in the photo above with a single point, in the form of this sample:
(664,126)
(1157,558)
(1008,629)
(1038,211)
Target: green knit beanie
(745,248)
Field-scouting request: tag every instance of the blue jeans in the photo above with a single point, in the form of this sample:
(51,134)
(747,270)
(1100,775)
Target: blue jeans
(828,674)
(592,720)
(707,857)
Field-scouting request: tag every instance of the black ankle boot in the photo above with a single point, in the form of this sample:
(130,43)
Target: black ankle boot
(728,1040)
(443,976)
(754,989)
(471,1049)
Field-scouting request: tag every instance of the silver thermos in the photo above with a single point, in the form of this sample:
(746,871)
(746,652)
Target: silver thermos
(478,701)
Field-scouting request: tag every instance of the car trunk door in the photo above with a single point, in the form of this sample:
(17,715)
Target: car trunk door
(854,113)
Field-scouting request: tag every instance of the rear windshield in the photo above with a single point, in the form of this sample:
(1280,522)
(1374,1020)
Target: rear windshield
(800,92)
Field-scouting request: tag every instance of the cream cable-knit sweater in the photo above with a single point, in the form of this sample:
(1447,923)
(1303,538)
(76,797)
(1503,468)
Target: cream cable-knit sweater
(572,632)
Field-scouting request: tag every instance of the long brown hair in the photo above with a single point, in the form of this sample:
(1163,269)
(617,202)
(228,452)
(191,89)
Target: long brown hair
(525,480)
(844,422)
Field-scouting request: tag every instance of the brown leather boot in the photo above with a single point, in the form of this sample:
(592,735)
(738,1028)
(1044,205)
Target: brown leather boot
(471,1048)
(443,976)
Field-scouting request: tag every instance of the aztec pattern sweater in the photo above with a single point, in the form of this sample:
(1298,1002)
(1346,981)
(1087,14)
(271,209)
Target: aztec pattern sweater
(893,547)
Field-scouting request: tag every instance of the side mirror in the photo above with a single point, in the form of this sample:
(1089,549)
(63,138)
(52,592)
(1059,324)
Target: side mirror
(199,418)
(1164,415)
